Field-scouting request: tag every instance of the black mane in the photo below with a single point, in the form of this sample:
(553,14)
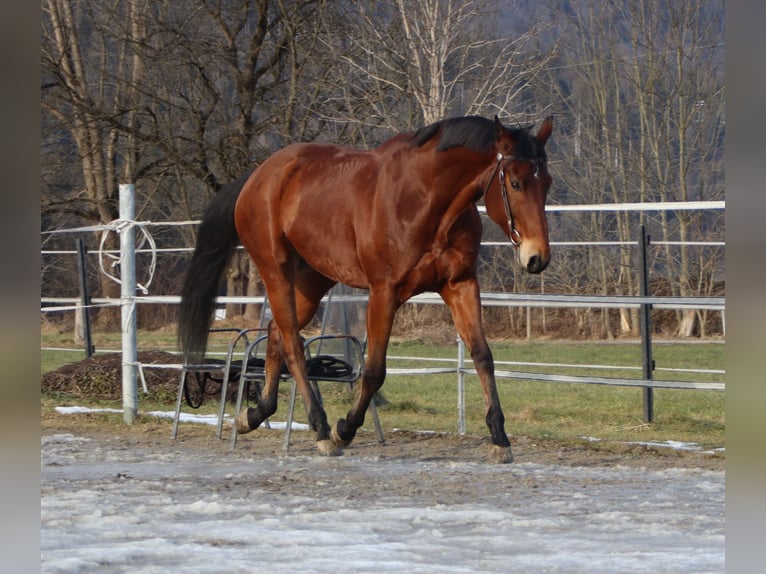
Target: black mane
(472,132)
(477,134)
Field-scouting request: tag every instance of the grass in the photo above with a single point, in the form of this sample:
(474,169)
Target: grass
(537,409)
(558,411)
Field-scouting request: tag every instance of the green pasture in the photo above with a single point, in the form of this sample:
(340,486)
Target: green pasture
(535,409)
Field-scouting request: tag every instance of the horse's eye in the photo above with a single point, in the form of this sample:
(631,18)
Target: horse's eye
(515,185)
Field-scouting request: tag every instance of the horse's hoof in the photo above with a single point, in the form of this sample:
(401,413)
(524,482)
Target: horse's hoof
(336,438)
(243,426)
(328,448)
(500,454)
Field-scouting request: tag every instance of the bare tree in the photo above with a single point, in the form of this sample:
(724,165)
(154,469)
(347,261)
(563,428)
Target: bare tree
(592,137)
(641,83)
(84,50)
(412,63)
(179,97)
(679,77)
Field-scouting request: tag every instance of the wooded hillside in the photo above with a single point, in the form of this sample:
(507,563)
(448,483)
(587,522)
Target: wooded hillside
(182,96)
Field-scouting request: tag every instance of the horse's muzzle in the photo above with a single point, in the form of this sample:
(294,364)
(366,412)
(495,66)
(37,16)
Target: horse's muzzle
(537,264)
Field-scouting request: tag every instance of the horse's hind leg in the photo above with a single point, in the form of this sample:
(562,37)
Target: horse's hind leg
(250,418)
(292,306)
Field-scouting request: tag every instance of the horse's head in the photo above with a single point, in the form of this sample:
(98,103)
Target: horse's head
(516,202)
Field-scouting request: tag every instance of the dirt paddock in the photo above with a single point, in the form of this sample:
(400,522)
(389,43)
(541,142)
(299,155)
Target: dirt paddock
(265,445)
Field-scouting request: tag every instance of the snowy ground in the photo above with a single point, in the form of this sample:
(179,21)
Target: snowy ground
(115,507)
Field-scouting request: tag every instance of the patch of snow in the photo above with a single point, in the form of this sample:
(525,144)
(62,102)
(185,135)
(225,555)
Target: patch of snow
(184,418)
(671,444)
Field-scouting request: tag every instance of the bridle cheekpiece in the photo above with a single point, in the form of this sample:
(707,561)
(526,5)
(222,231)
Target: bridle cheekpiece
(514,235)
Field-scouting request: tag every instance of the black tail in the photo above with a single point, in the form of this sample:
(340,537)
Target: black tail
(216,240)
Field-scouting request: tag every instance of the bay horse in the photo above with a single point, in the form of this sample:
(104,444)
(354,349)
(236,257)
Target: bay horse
(397,220)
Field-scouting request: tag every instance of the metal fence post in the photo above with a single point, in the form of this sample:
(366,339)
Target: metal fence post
(128,303)
(646,328)
(460,386)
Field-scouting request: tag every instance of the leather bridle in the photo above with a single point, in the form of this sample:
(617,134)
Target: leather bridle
(514,235)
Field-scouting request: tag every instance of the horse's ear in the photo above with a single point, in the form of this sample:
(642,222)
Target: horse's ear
(545,130)
(499,128)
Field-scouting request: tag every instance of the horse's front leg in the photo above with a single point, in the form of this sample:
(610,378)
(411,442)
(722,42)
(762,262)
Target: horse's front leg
(381,309)
(464,302)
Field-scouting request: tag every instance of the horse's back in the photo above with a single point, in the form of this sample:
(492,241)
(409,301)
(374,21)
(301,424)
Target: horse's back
(358,217)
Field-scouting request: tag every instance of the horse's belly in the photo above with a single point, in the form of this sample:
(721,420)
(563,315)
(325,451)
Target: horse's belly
(330,254)
(347,272)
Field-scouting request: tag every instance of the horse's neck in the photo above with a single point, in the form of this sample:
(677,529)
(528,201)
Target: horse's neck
(469,190)
(466,184)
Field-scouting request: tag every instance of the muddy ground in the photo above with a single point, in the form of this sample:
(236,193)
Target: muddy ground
(444,447)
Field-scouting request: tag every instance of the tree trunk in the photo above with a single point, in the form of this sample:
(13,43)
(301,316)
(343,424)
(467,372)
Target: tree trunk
(688,325)
(235,278)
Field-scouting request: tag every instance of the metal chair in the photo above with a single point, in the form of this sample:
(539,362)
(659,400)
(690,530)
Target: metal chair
(204,371)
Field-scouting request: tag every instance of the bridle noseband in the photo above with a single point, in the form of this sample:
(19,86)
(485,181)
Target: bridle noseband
(514,235)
